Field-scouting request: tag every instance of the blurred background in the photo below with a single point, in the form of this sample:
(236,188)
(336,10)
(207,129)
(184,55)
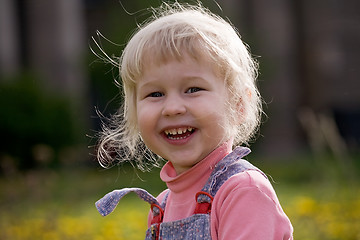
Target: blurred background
(51,86)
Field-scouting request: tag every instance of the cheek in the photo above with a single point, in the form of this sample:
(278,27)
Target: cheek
(146,119)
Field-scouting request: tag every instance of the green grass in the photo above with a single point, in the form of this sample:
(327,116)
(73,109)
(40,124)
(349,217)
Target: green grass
(47,204)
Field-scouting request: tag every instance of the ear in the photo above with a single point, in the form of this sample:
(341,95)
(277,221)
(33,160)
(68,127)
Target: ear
(241,106)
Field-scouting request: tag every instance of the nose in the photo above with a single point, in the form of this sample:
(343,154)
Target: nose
(173,106)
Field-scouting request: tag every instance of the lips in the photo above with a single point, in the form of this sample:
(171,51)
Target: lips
(179,133)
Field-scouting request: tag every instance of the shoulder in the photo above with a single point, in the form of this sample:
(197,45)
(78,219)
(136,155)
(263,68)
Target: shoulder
(251,180)
(248,199)
(246,195)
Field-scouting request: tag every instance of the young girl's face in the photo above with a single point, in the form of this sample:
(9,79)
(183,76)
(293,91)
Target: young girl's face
(181,110)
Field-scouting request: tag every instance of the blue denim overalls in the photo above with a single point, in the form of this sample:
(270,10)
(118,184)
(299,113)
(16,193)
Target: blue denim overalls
(197,226)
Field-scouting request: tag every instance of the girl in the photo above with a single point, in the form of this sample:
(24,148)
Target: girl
(190,95)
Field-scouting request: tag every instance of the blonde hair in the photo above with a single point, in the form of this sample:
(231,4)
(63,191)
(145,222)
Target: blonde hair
(201,34)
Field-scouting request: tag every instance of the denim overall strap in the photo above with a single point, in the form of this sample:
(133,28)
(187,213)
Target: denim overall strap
(108,203)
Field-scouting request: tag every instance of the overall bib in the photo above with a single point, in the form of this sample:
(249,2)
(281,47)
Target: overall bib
(197,226)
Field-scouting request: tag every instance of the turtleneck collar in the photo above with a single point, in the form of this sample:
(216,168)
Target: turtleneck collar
(194,178)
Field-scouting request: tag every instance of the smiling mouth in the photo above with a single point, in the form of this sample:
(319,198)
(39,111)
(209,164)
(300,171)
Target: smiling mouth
(179,133)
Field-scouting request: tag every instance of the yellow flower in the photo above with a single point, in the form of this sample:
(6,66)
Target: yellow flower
(305,206)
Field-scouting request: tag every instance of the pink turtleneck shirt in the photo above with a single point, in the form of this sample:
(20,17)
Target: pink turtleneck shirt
(245,207)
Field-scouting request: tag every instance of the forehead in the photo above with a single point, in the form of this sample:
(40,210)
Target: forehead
(185,66)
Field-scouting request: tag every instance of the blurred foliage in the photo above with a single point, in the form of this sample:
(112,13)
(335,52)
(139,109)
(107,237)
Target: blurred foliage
(326,218)
(105,94)
(33,121)
(48,205)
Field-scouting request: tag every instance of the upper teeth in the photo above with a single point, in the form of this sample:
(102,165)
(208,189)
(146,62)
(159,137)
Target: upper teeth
(178,131)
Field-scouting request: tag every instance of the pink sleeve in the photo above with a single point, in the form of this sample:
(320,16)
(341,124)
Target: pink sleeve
(246,207)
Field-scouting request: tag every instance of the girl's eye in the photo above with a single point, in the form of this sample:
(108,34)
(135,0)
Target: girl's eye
(194,89)
(156,94)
